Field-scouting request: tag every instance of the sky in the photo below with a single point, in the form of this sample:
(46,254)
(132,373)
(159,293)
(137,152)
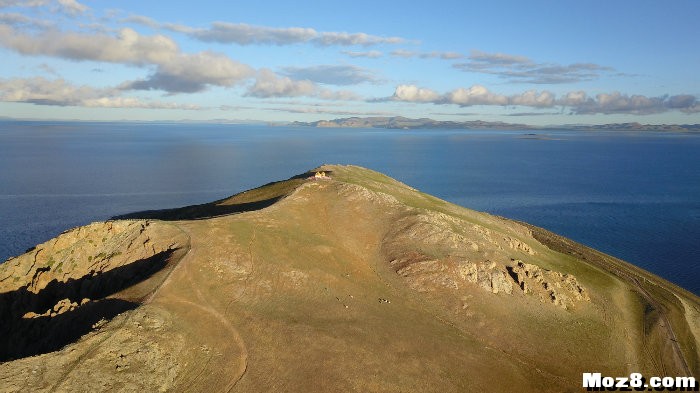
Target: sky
(532,62)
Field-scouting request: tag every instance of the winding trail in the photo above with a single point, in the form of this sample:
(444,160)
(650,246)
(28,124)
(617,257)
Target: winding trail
(238,363)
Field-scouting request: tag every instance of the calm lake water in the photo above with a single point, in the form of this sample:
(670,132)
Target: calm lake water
(633,195)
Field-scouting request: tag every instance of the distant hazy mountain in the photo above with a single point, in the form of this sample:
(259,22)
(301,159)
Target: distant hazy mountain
(400,122)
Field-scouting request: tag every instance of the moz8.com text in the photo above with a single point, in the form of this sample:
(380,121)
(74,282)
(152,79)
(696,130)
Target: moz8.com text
(636,382)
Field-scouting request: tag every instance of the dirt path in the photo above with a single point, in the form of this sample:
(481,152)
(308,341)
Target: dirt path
(226,331)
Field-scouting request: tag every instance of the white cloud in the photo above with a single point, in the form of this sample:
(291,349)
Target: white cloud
(72,7)
(347,39)
(475,95)
(532,98)
(132,102)
(578,101)
(337,95)
(17,20)
(189,73)
(269,85)
(323,111)
(142,20)
(69,7)
(491,59)
(616,102)
(59,92)
(411,93)
(522,69)
(175,72)
(127,47)
(245,34)
(407,54)
(573,98)
(373,54)
(331,74)
(449,55)
(46,92)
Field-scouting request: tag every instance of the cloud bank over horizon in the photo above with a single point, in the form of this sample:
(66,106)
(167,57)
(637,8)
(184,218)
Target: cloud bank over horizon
(137,61)
(578,101)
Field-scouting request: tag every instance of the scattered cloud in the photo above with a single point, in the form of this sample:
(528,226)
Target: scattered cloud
(43,91)
(142,20)
(446,55)
(175,72)
(328,111)
(127,47)
(522,69)
(68,7)
(72,7)
(636,104)
(270,85)
(133,102)
(487,60)
(578,102)
(519,114)
(306,108)
(47,69)
(59,92)
(372,54)
(19,20)
(407,54)
(341,75)
(412,93)
(456,114)
(301,102)
(191,73)
(245,34)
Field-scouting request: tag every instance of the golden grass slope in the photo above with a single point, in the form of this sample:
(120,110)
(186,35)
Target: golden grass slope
(353,283)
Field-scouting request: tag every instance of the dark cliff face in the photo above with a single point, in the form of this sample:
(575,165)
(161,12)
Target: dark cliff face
(351,281)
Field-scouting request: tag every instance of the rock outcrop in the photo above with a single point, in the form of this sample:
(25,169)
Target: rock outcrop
(549,286)
(61,288)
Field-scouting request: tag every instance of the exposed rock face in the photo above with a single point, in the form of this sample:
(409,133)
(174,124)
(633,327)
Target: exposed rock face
(487,276)
(560,289)
(64,286)
(450,252)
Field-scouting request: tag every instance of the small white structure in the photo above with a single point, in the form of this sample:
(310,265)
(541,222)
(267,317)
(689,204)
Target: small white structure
(321,175)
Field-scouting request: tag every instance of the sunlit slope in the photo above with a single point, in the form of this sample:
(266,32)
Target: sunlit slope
(361,283)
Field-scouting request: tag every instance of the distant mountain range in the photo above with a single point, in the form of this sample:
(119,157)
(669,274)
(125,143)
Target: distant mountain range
(399,122)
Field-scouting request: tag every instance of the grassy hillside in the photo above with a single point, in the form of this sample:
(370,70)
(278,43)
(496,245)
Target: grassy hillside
(355,283)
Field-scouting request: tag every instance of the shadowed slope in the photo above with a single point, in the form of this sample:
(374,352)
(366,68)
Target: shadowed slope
(255,199)
(61,312)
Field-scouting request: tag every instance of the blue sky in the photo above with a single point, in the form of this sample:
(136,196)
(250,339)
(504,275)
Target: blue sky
(534,62)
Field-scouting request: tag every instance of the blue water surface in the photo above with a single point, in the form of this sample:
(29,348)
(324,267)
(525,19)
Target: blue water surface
(633,195)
